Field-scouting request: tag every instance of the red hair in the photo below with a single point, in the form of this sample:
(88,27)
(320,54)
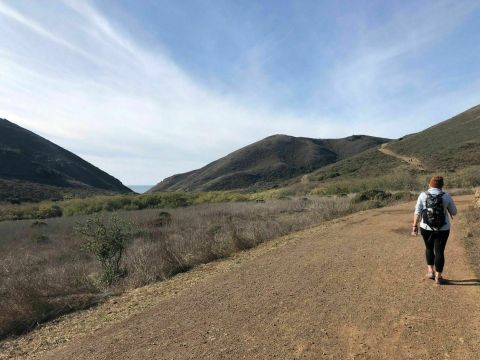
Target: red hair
(436,182)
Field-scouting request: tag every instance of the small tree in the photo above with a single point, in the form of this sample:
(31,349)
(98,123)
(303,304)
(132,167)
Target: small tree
(106,239)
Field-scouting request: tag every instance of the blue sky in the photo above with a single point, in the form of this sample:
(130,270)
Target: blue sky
(146,89)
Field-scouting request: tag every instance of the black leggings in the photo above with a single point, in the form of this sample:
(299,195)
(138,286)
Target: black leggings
(435,242)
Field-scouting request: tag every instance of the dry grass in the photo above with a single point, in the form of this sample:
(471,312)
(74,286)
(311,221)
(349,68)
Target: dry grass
(43,275)
(471,224)
(43,272)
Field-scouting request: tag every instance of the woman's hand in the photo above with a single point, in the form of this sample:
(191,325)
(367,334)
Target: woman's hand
(414,230)
(416,221)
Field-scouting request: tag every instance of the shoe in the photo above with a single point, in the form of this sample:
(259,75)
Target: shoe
(440,281)
(430,275)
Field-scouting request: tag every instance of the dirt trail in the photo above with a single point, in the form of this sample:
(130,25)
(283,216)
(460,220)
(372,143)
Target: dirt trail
(412,161)
(352,288)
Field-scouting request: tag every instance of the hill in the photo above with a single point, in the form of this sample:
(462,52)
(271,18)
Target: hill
(268,161)
(33,168)
(450,145)
(451,148)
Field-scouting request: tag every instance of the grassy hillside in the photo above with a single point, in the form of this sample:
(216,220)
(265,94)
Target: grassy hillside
(450,145)
(450,148)
(369,163)
(27,157)
(271,160)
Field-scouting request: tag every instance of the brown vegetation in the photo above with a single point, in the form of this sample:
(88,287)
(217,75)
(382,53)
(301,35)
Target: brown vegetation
(471,224)
(44,273)
(328,291)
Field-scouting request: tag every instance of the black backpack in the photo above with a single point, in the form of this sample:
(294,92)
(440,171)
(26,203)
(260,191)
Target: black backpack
(434,214)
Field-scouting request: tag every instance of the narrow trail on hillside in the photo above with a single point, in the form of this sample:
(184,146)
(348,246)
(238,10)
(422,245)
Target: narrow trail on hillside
(412,161)
(351,288)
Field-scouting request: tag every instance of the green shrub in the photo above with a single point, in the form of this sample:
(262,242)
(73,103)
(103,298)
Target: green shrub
(37,223)
(49,211)
(41,239)
(106,239)
(376,195)
(163,218)
(214,230)
(404,195)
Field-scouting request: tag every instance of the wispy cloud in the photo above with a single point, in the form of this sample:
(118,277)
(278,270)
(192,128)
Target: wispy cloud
(94,86)
(139,104)
(12,14)
(385,77)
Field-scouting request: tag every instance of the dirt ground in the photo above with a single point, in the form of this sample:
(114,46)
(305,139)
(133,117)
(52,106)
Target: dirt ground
(352,288)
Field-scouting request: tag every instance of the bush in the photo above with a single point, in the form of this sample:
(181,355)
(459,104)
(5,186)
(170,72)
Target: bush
(241,242)
(149,261)
(404,195)
(376,195)
(37,223)
(106,240)
(49,211)
(163,218)
(40,239)
(34,290)
(471,219)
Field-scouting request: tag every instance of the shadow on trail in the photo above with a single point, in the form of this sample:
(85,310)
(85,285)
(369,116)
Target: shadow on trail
(466,282)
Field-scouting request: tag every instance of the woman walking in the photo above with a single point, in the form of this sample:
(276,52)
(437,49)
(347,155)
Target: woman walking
(432,211)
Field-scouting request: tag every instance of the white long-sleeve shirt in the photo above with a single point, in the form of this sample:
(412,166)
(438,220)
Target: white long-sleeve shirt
(448,207)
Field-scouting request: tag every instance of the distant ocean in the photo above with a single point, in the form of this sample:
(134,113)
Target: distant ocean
(140,188)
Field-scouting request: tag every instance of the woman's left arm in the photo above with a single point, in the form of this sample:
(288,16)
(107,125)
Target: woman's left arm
(452,209)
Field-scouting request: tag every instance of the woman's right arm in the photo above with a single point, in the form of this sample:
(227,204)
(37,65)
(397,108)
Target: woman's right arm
(416,221)
(417,216)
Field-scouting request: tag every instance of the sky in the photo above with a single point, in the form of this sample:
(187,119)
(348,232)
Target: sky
(147,89)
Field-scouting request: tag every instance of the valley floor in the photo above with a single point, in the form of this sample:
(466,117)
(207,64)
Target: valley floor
(352,288)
